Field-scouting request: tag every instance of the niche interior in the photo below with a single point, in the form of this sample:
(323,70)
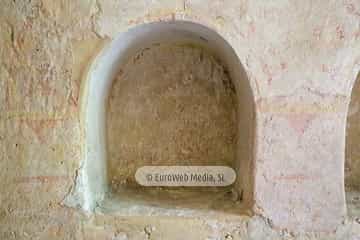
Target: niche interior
(167,93)
(352,153)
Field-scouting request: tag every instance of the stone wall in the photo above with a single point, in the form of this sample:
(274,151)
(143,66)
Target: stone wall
(171,105)
(301,58)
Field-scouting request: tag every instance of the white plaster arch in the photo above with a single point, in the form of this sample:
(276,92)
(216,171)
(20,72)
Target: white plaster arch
(91,185)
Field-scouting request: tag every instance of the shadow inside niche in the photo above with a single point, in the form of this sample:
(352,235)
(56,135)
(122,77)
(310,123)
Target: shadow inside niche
(352,162)
(171,104)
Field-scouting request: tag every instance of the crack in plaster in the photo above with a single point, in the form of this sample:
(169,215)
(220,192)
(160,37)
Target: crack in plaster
(94,18)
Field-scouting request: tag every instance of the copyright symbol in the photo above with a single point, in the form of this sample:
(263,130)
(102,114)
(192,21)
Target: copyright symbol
(149,177)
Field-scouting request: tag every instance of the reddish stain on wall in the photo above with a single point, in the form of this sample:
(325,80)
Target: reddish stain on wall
(340,32)
(252,27)
(40,127)
(300,121)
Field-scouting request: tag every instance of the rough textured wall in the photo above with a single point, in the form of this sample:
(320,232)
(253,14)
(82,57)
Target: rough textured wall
(353,139)
(291,50)
(170,105)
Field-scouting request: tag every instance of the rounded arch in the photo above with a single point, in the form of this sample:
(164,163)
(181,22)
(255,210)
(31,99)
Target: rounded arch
(93,176)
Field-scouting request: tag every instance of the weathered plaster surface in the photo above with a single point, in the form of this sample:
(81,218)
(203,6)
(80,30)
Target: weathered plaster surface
(302,59)
(170,105)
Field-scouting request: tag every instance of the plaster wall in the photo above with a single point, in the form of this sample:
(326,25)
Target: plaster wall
(301,58)
(171,104)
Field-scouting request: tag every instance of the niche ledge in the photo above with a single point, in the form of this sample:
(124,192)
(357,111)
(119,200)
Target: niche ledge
(94,189)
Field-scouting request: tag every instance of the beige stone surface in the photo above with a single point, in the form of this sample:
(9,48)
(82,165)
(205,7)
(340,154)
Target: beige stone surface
(302,58)
(172,104)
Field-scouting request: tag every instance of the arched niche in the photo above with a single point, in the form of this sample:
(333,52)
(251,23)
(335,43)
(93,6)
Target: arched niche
(93,188)
(352,152)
